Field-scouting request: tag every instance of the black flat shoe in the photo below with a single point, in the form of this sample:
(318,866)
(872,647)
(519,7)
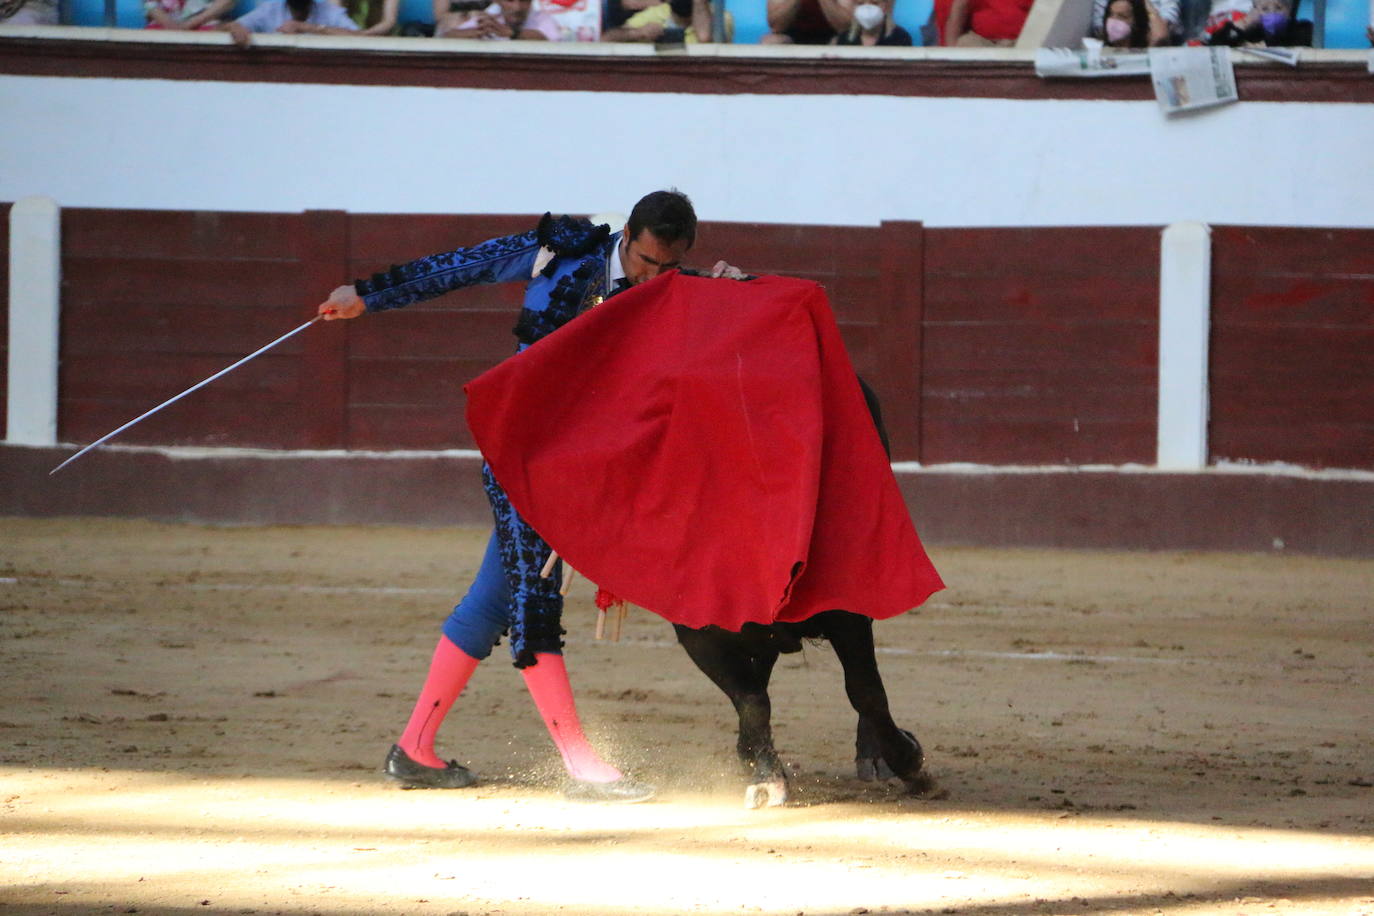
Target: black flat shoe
(412,775)
(624,791)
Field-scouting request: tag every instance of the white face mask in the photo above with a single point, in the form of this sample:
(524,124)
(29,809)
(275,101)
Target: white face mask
(869,16)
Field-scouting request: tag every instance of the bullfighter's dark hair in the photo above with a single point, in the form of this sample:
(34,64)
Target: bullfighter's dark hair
(666,214)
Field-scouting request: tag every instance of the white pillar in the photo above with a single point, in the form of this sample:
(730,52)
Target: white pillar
(1185,281)
(35,275)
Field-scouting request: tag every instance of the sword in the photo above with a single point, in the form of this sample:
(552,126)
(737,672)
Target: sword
(225,371)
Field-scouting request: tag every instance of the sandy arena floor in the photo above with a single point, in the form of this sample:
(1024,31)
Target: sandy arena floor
(192,720)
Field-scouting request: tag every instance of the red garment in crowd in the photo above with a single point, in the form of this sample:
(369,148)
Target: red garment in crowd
(997,20)
(942,9)
(701,448)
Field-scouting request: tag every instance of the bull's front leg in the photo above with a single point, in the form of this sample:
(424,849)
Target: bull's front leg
(741,670)
(882,747)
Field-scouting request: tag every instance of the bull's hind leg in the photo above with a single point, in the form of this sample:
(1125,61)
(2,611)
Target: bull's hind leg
(878,741)
(741,667)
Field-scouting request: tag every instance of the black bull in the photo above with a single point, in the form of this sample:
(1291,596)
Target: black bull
(741,664)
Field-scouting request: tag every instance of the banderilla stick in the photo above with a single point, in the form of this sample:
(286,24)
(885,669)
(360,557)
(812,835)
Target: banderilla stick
(619,621)
(568,573)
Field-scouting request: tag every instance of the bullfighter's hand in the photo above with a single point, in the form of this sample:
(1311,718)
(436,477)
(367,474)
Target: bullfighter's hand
(342,303)
(728,271)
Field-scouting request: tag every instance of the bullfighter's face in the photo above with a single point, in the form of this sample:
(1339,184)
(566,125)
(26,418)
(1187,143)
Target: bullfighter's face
(646,256)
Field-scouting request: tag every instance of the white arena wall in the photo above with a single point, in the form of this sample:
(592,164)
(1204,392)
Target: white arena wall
(811,159)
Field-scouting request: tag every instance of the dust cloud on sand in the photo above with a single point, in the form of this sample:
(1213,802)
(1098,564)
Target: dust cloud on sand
(193,720)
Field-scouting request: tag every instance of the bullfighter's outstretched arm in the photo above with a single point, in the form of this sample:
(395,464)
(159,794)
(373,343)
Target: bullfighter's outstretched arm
(497,260)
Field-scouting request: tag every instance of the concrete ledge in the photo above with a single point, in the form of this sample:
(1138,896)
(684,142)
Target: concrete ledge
(1148,510)
(227,487)
(1109,508)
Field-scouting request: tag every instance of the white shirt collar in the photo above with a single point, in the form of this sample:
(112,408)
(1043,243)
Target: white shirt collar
(616,269)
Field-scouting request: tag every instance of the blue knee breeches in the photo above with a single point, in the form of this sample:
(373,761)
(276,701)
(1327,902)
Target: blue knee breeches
(508,596)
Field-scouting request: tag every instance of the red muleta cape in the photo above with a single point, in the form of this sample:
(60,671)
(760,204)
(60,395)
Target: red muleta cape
(701,448)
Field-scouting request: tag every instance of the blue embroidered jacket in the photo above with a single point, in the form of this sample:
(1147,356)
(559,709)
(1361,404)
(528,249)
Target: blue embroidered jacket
(573,280)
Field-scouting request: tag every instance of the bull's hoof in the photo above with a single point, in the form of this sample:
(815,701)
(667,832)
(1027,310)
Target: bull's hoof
(770,794)
(873,769)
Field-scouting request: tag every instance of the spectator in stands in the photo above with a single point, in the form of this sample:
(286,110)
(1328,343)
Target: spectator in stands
(503,20)
(873,25)
(685,20)
(985,23)
(185,15)
(291,17)
(1201,26)
(1130,24)
(1271,23)
(806,22)
(28,12)
(614,13)
(373,17)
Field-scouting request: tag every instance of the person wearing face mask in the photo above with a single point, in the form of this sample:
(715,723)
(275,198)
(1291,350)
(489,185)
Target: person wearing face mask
(1135,23)
(873,25)
(1270,23)
(1127,25)
(691,18)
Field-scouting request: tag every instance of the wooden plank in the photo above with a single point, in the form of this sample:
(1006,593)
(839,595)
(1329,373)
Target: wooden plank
(897,374)
(166,234)
(1000,347)
(112,282)
(446,334)
(4,310)
(395,238)
(407,427)
(1037,442)
(1274,251)
(1320,354)
(808,251)
(176,329)
(1041,394)
(1291,403)
(856,298)
(412,382)
(151,378)
(217,420)
(1293,301)
(322,249)
(1053,300)
(1315,445)
(1042,252)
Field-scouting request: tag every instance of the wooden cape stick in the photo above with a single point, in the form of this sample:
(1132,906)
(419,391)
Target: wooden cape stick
(568,573)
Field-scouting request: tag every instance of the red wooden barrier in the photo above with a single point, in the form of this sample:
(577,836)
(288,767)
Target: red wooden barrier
(4,304)
(1292,355)
(1040,346)
(992,346)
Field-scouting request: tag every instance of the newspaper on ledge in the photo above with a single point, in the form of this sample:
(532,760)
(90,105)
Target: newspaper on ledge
(1189,78)
(1089,61)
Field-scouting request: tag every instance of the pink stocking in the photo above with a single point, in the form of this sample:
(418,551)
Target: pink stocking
(548,683)
(448,675)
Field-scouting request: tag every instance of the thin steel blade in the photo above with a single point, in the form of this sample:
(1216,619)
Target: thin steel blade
(225,371)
